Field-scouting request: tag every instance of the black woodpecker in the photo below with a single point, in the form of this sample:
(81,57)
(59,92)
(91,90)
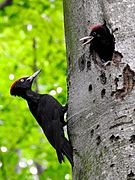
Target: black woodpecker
(102,41)
(49,114)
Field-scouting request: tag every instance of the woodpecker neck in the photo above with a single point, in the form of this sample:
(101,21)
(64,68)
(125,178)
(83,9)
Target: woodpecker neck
(30,95)
(32,99)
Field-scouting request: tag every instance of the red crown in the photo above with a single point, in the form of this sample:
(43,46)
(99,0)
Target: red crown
(96,27)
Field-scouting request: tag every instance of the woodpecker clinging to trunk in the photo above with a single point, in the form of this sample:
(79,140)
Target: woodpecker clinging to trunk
(49,114)
(102,41)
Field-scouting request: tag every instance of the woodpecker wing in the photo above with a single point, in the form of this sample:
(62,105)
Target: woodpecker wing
(58,135)
(63,146)
(54,132)
(49,103)
(49,119)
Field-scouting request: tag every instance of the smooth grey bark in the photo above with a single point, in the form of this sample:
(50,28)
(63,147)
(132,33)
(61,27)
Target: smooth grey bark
(101,123)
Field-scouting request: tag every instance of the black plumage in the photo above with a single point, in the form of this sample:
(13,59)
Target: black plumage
(102,42)
(49,114)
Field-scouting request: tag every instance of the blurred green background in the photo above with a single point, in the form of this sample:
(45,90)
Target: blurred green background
(31,38)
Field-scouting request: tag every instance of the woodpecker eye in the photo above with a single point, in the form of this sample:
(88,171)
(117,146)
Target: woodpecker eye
(94,33)
(22,80)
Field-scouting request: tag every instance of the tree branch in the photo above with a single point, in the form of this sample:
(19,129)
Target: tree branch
(34,67)
(5,3)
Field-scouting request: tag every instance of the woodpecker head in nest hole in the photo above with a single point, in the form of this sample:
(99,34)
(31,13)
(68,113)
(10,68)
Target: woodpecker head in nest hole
(101,40)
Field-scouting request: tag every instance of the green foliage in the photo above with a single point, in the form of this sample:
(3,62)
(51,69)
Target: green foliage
(26,145)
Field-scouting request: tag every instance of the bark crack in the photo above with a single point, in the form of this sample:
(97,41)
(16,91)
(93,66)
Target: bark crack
(128,83)
(120,124)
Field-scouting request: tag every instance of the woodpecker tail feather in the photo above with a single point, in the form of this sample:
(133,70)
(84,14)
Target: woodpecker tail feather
(67,151)
(60,156)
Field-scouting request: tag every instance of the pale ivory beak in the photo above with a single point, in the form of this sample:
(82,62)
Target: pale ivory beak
(33,76)
(87,40)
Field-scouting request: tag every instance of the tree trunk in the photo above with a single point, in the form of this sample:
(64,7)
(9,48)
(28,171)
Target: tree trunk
(101,100)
